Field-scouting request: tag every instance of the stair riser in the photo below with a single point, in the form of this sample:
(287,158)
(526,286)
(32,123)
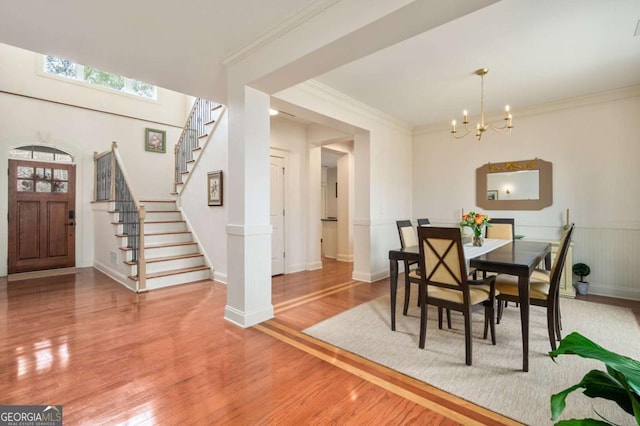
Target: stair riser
(170,265)
(157,206)
(167,238)
(151,253)
(169,280)
(162,216)
(157,228)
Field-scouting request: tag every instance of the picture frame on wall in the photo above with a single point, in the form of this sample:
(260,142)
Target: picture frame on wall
(155,140)
(214,188)
(492,194)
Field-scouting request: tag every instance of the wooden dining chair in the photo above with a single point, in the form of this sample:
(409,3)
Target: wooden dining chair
(424,222)
(445,283)
(408,238)
(542,292)
(501,229)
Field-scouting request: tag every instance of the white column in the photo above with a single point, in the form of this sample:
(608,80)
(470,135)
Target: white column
(314,255)
(247,192)
(362,266)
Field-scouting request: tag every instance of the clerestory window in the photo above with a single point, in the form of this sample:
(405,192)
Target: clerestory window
(67,69)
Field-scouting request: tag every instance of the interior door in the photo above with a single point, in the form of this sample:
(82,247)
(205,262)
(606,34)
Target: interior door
(41,216)
(277,215)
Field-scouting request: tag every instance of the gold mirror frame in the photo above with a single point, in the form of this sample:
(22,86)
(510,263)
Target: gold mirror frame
(545,198)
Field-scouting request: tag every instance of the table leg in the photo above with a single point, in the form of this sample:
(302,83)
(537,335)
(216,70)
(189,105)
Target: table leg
(523,298)
(393,284)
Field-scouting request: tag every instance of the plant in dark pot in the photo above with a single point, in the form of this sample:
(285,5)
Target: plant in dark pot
(582,270)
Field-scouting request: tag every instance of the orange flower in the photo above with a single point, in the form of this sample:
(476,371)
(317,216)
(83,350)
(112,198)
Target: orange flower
(479,219)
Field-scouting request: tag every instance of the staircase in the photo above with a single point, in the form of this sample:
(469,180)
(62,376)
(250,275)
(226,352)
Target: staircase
(157,247)
(171,255)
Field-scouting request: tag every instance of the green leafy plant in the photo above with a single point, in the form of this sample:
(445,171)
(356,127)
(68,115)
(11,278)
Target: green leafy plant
(620,383)
(582,270)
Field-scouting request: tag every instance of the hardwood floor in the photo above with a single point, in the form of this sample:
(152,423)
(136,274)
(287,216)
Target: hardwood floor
(168,357)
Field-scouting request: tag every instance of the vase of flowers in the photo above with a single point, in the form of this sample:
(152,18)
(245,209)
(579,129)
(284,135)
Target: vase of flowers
(477,222)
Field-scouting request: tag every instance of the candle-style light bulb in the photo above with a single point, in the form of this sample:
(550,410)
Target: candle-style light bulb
(465,116)
(506,112)
(453,126)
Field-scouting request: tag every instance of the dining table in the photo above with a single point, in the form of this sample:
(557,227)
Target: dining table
(518,258)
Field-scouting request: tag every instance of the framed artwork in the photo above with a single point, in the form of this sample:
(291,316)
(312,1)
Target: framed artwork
(492,194)
(155,140)
(214,188)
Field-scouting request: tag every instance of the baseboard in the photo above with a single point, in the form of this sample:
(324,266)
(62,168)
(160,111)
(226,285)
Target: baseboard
(41,274)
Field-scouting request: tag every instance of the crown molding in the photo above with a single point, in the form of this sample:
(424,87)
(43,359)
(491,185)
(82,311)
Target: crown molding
(279,30)
(327,93)
(569,103)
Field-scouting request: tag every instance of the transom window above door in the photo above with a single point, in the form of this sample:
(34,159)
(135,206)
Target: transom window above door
(40,153)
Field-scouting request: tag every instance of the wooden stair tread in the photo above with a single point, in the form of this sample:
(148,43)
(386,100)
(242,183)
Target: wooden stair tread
(163,211)
(204,135)
(157,201)
(209,122)
(166,258)
(146,222)
(216,107)
(172,272)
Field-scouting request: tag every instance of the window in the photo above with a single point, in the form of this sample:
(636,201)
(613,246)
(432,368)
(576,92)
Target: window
(40,153)
(96,77)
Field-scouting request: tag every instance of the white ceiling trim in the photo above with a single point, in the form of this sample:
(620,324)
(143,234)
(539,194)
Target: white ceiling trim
(279,30)
(315,88)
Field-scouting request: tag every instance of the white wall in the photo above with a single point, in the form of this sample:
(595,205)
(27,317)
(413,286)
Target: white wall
(289,139)
(595,151)
(382,177)
(25,119)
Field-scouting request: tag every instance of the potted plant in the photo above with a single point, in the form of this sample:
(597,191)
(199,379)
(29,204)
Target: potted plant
(620,383)
(582,270)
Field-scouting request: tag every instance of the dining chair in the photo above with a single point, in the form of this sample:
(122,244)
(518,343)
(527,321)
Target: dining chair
(542,292)
(424,222)
(501,229)
(445,283)
(408,238)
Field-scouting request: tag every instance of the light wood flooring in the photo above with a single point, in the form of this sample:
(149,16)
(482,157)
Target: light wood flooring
(168,357)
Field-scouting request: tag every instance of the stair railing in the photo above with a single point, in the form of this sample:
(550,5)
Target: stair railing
(112,184)
(201,115)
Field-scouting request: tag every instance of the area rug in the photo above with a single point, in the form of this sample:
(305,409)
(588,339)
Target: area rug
(495,380)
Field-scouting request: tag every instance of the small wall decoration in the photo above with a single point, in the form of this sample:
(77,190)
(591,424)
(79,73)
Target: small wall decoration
(214,188)
(492,194)
(155,140)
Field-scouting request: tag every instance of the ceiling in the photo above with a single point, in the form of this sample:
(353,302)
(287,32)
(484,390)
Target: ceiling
(537,51)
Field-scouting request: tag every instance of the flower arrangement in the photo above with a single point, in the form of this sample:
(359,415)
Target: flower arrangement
(475,221)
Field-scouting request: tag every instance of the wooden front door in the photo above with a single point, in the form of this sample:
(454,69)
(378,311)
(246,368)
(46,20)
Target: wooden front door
(41,216)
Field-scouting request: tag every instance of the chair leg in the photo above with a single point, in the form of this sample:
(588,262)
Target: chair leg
(423,316)
(467,336)
(407,289)
(551,326)
(449,318)
(439,318)
(499,312)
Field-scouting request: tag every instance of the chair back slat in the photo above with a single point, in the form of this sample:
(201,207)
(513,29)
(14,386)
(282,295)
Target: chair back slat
(407,234)
(501,229)
(442,257)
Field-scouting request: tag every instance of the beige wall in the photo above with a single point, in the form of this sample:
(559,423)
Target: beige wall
(81,128)
(594,147)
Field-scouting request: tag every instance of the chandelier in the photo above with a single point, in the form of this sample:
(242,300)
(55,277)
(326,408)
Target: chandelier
(481,126)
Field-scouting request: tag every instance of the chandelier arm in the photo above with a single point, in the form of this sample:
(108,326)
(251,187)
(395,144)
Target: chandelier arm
(501,130)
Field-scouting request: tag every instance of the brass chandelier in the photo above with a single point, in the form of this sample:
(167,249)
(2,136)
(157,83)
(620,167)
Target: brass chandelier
(481,126)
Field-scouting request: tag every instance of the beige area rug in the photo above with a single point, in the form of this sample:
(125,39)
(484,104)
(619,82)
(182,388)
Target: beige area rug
(495,380)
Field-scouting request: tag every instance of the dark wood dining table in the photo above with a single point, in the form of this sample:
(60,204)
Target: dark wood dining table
(518,258)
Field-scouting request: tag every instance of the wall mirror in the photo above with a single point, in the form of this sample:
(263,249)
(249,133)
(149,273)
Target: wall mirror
(514,185)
